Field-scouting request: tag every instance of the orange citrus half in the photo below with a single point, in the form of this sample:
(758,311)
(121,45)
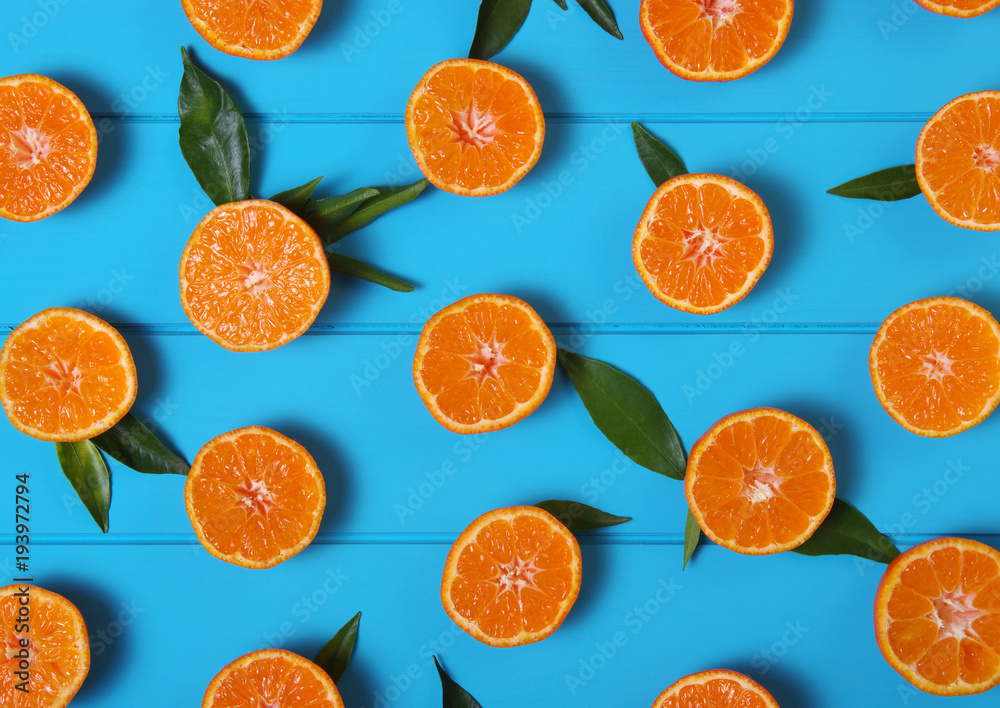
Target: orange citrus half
(475,127)
(512,576)
(958,161)
(253,276)
(716,688)
(48,147)
(254,497)
(484,363)
(66,376)
(702,243)
(760,481)
(937,616)
(43,635)
(935,365)
(715,40)
(275,678)
(960,8)
(271,29)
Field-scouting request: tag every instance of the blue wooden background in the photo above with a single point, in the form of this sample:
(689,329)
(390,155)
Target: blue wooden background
(847,94)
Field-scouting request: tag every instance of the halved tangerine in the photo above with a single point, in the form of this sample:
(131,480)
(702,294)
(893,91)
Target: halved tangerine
(272,678)
(715,688)
(960,8)
(254,29)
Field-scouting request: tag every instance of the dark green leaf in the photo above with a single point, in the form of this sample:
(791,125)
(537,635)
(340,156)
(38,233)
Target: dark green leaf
(213,136)
(579,517)
(692,534)
(846,531)
(562,4)
(602,15)
(499,21)
(325,215)
(660,162)
(387,199)
(887,185)
(132,444)
(454,695)
(334,657)
(296,199)
(362,271)
(84,467)
(627,413)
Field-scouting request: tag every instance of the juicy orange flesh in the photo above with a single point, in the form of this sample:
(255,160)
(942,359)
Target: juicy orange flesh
(483,361)
(255,276)
(475,126)
(256,24)
(255,497)
(939,366)
(944,617)
(716,36)
(961,5)
(273,681)
(960,156)
(65,376)
(702,243)
(55,643)
(46,148)
(713,693)
(761,482)
(514,577)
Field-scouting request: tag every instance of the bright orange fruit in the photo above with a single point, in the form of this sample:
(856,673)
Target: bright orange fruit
(958,161)
(253,276)
(760,481)
(272,677)
(65,376)
(252,29)
(512,576)
(48,147)
(715,40)
(702,243)
(715,688)
(960,8)
(935,365)
(52,636)
(254,497)
(937,616)
(484,363)
(475,127)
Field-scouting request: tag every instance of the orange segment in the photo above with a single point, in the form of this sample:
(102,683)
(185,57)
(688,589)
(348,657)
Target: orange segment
(715,40)
(48,147)
(272,677)
(253,276)
(960,8)
(475,127)
(716,688)
(65,376)
(254,29)
(702,243)
(254,497)
(935,365)
(937,616)
(56,649)
(484,363)
(760,481)
(512,576)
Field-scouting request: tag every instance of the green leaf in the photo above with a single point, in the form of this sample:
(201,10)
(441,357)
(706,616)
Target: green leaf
(334,657)
(84,467)
(660,162)
(362,271)
(132,444)
(888,185)
(602,15)
(387,199)
(499,21)
(325,215)
(562,4)
(296,199)
(692,534)
(846,531)
(213,136)
(454,695)
(627,413)
(579,517)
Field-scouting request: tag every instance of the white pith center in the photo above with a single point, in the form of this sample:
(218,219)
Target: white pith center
(702,246)
(516,574)
(255,497)
(987,157)
(720,12)
(64,376)
(937,366)
(256,279)
(473,127)
(760,483)
(486,360)
(954,614)
(29,147)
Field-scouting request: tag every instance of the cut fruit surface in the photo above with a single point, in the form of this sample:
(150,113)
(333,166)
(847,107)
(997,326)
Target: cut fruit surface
(475,127)
(935,365)
(716,688)
(960,8)
(48,147)
(66,376)
(254,29)
(255,497)
(760,481)
(484,363)
(937,616)
(512,576)
(272,678)
(253,276)
(702,243)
